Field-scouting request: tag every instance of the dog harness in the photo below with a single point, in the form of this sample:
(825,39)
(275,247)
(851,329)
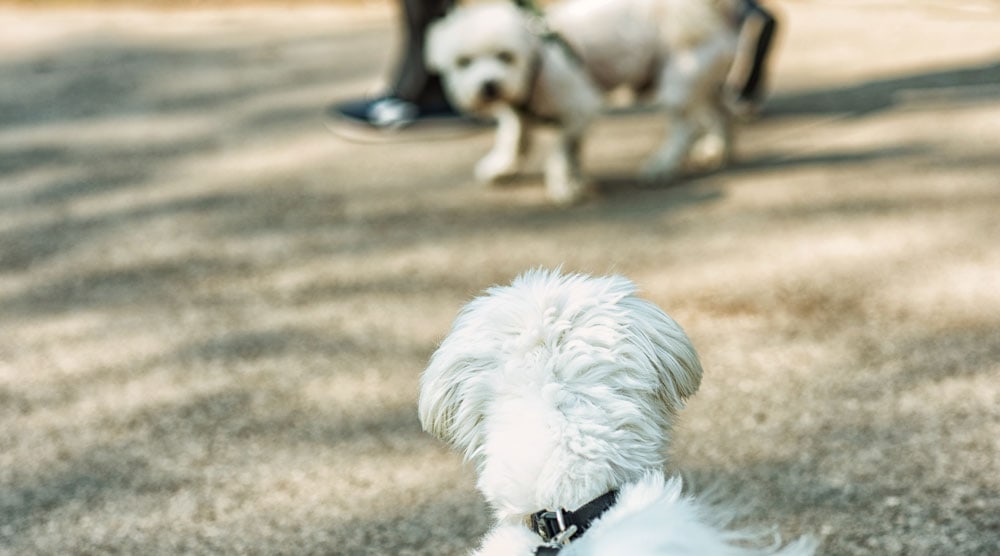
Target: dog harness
(540,27)
(523,108)
(557,528)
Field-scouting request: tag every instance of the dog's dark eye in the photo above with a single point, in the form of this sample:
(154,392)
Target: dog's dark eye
(505,57)
(463,61)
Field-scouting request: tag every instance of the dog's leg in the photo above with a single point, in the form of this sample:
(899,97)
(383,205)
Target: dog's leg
(713,149)
(510,142)
(678,84)
(665,164)
(687,88)
(564,181)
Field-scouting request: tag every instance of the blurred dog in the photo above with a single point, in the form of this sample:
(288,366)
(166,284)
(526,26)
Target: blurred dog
(502,61)
(562,389)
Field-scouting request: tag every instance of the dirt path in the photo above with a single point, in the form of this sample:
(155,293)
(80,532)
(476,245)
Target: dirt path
(213,313)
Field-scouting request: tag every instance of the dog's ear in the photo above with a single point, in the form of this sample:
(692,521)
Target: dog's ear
(438,45)
(664,345)
(454,390)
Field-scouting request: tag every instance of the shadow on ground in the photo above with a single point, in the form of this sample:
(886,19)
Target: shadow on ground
(215,312)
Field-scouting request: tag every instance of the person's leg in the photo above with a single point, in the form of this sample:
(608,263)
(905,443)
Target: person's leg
(413,81)
(414,92)
(752,89)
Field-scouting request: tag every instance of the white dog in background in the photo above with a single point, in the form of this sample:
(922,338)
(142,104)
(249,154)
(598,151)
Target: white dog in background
(499,60)
(562,389)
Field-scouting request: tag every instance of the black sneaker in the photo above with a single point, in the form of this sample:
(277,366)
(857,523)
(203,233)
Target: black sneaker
(383,118)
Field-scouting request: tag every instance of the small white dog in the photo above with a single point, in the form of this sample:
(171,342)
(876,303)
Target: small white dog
(562,390)
(501,61)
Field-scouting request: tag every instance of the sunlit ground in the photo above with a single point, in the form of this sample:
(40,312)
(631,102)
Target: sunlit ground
(214,312)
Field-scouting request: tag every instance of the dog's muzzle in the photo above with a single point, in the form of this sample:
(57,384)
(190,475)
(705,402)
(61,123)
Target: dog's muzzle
(558,528)
(490,91)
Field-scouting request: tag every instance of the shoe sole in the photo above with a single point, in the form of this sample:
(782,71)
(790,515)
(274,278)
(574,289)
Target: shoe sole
(424,129)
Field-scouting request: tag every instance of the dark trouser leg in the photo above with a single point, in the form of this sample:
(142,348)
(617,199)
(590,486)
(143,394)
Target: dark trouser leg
(752,88)
(413,81)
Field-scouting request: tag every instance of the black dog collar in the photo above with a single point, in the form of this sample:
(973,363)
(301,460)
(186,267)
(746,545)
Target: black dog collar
(562,526)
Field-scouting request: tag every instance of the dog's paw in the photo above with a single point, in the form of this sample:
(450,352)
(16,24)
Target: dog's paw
(567,193)
(495,166)
(709,153)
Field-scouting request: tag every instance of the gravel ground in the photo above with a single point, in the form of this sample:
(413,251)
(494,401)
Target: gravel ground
(214,313)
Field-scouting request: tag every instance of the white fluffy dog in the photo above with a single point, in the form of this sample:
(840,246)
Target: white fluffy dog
(501,61)
(562,389)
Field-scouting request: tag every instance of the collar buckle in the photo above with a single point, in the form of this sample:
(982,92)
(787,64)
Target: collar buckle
(551,526)
(557,528)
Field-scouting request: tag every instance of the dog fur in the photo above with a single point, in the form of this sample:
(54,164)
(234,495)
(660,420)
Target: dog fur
(561,387)
(673,53)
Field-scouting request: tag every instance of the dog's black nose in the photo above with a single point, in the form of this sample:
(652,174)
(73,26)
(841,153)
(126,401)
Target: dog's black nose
(490,90)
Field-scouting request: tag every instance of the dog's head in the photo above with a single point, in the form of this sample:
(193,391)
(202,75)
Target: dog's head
(486,55)
(559,388)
